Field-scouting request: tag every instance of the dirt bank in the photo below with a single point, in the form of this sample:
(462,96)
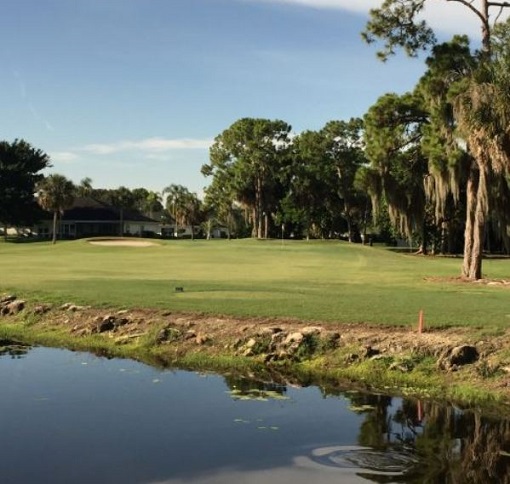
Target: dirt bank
(441,363)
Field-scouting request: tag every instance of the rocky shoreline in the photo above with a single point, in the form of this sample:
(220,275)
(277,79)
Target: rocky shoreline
(436,362)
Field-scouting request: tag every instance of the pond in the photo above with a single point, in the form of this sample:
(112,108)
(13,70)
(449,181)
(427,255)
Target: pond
(69,417)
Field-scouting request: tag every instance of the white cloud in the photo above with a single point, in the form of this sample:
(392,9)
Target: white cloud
(149,145)
(447,17)
(362,6)
(63,156)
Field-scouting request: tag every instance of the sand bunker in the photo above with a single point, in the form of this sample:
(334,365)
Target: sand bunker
(122,242)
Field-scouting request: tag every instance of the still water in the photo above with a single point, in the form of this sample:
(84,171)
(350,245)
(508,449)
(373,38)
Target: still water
(68,417)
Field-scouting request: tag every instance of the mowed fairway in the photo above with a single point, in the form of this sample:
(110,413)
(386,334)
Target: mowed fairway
(312,281)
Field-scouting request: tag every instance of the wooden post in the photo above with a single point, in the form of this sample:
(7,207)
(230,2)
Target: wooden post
(420,321)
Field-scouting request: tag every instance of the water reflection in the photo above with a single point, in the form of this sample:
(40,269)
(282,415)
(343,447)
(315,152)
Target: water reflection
(13,348)
(243,388)
(72,417)
(411,441)
(429,443)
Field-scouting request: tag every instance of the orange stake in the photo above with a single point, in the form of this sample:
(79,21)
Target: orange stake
(420,321)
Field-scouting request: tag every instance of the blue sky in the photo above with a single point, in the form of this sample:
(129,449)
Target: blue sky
(132,92)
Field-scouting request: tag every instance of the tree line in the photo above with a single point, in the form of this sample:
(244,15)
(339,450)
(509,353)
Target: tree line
(435,161)
(453,128)
(25,194)
(431,165)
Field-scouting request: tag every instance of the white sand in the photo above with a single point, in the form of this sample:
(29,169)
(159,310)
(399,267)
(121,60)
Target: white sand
(123,242)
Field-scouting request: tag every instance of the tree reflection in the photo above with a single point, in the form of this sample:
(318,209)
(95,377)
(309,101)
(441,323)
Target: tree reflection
(242,388)
(13,348)
(448,445)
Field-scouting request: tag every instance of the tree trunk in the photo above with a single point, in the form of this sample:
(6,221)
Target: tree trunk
(229,225)
(424,238)
(54,234)
(258,196)
(486,32)
(121,223)
(349,224)
(471,190)
(475,269)
(254,223)
(365,223)
(176,227)
(445,249)
(348,219)
(477,210)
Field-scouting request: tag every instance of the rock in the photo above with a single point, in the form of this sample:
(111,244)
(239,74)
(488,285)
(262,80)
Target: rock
(74,307)
(333,340)
(351,358)
(201,339)
(162,335)
(7,298)
(464,355)
(120,322)
(294,338)
(41,309)
(270,331)
(169,334)
(369,352)
(277,338)
(452,358)
(13,307)
(251,343)
(128,337)
(310,330)
(190,334)
(107,323)
(377,357)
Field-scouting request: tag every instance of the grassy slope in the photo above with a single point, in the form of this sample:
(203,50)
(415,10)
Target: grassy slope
(327,281)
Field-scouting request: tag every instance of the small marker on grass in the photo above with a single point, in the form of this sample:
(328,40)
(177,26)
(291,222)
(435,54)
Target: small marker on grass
(420,321)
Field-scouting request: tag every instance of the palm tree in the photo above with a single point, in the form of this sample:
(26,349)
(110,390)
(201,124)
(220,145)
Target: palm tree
(84,189)
(175,194)
(152,203)
(55,194)
(122,199)
(189,211)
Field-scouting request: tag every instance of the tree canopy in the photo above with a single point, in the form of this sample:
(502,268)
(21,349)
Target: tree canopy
(248,156)
(20,167)
(467,137)
(397,23)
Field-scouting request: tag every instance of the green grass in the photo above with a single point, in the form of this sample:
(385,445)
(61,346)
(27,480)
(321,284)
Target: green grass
(321,281)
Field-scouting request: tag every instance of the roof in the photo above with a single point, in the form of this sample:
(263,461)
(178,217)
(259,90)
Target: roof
(89,209)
